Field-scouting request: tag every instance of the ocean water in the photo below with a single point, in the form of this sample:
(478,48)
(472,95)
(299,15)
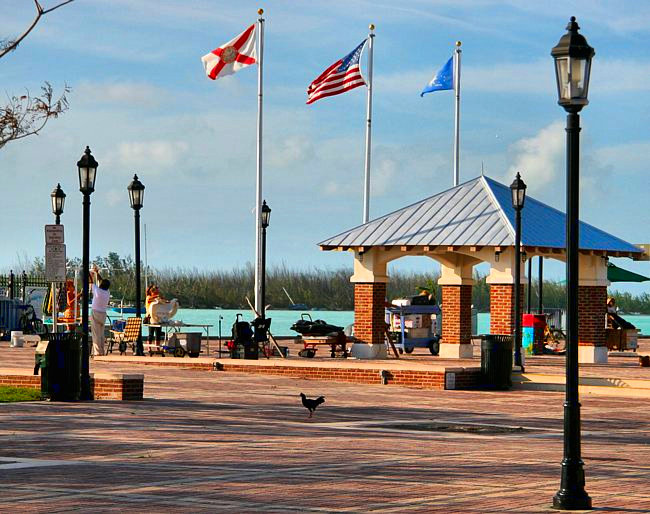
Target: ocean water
(283,319)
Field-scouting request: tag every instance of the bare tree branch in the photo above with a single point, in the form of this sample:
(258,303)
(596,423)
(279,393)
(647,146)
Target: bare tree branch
(9,45)
(26,115)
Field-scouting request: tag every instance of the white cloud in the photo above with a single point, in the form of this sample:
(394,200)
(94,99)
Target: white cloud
(290,151)
(626,158)
(151,155)
(115,197)
(383,178)
(125,93)
(537,77)
(332,188)
(539,158)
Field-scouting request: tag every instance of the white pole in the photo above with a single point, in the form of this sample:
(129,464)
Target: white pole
(258,187)
(457,53)
(366,177)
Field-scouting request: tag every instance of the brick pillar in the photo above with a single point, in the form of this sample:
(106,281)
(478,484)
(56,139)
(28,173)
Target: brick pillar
(592,309)
(502,308)
(457,314)
(369,312)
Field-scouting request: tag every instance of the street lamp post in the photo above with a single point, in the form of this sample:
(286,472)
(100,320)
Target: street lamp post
(518,191)
(136,196)
(266,217)
(572,57)
(87,166)
(58,201)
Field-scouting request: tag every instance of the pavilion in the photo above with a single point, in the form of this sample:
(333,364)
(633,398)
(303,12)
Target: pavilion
(460,228)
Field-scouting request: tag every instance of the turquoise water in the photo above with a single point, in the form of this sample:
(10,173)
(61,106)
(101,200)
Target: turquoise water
(280,324)
(282,320)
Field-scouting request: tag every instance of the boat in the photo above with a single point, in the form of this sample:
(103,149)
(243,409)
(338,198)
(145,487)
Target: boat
(122,308)
(128,309)
(295,306)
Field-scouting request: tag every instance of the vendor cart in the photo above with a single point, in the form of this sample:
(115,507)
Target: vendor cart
(411,327)
(178,343)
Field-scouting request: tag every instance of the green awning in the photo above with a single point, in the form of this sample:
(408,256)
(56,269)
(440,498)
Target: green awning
(616,274)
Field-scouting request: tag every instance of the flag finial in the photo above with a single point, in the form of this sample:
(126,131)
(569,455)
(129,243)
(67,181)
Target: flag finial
(458,43)
(371,26)
(260,11)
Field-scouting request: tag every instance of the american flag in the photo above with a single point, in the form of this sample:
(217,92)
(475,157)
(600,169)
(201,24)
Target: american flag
(343,75)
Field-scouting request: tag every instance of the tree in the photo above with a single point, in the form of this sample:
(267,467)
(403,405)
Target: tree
(26,115)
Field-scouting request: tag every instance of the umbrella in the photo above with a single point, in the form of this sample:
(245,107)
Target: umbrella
(616,274)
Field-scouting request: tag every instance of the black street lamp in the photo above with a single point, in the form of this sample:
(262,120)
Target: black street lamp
(87,171)
(518,191)
(572,57)
(136,196)
(58,201)
(266,217)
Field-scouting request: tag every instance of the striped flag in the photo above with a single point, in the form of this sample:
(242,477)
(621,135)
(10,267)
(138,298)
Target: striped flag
(342,76)
(231,57)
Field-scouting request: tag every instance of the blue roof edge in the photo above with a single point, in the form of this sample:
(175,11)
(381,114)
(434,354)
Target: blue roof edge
(631,247)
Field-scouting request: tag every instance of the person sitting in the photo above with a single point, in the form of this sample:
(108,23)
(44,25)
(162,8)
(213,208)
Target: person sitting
(613,319)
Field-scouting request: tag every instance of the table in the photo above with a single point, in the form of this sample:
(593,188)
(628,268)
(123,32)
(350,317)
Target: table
(175,326)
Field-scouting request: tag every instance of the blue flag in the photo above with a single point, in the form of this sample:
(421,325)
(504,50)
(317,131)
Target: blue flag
(443,79)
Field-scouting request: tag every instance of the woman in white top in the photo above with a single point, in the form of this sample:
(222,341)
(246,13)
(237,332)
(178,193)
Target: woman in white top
(101,297)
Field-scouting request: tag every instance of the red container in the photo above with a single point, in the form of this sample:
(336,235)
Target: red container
(534,320)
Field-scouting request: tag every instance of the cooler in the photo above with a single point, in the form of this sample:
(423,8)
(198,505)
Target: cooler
(533,333)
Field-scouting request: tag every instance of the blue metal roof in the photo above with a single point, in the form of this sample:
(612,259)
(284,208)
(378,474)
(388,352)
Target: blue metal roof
(544,226)
(476,213)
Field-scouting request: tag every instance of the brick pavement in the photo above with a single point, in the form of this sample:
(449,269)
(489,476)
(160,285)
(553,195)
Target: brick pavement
(218,442)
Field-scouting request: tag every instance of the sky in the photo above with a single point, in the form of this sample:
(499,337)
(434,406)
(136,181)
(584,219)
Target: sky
(140,99)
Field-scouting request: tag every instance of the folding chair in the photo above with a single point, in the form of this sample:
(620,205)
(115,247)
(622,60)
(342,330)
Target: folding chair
(126,337)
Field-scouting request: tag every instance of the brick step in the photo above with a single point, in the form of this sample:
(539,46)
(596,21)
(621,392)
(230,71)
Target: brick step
(587,385)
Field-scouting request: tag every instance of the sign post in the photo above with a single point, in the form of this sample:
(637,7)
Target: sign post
(54,264)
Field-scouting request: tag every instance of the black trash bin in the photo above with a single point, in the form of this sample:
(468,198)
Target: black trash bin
(496,361)
(61,367)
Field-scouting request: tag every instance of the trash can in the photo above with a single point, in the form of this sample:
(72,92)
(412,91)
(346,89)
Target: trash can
(496,361)
(59,359)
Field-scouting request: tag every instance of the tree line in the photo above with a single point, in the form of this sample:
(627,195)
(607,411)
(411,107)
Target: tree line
(329,289)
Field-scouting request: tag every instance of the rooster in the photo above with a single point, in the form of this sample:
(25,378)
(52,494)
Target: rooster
(311,404)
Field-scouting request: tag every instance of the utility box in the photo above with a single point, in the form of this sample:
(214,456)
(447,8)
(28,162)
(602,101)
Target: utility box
(40,365)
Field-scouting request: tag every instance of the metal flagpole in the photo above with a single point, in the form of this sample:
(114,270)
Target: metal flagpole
(366,178)
(258,187)
(457,53)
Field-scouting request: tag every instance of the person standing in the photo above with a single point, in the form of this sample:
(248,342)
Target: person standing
(73,299)
(101,297)
(153,295)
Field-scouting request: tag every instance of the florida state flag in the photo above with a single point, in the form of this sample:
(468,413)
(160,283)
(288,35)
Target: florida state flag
(231,57)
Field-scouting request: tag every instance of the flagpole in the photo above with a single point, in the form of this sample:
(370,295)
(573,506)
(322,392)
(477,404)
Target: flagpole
(457,53)
(258,185)
(366,178)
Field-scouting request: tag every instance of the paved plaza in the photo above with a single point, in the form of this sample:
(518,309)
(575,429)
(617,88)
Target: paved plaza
(233,442)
